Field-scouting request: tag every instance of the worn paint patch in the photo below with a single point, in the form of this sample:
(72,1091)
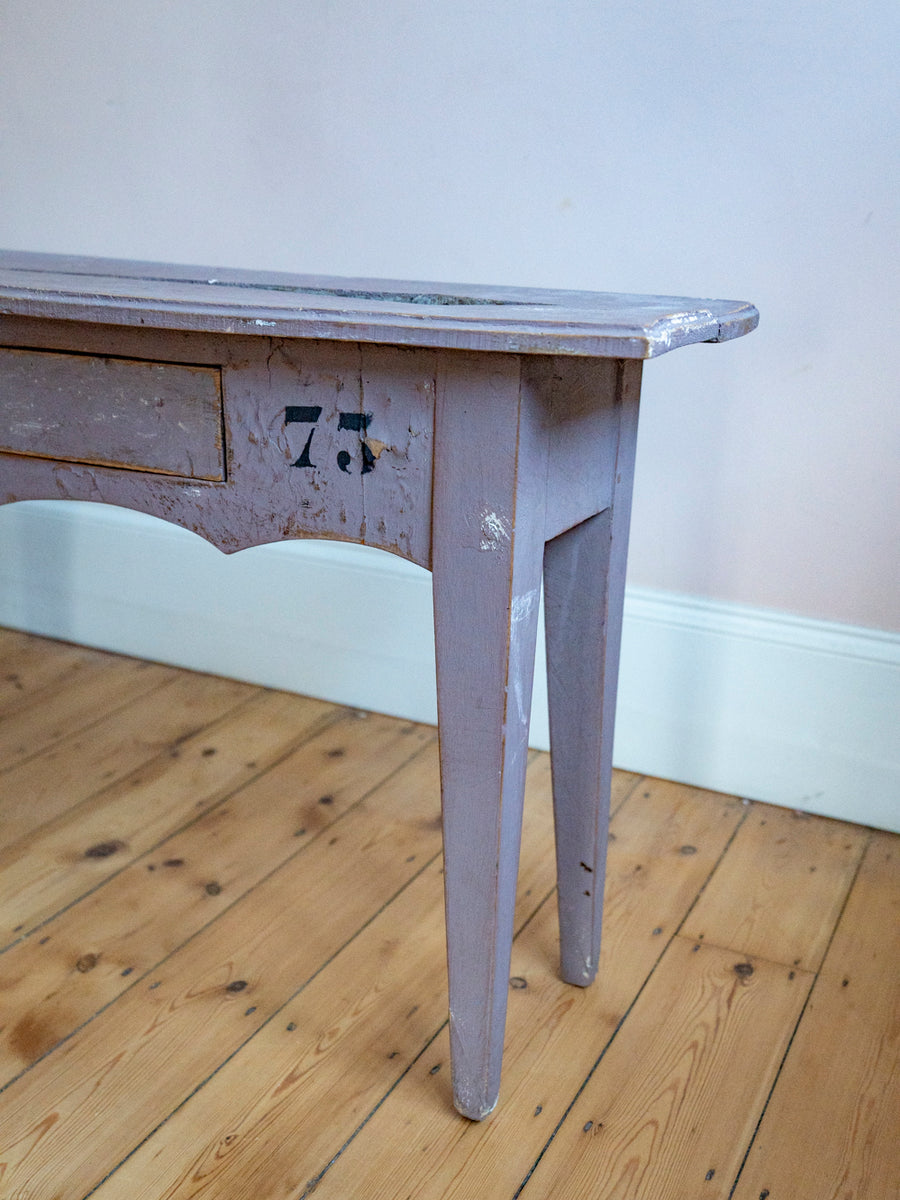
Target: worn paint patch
(524,606)
(494,531)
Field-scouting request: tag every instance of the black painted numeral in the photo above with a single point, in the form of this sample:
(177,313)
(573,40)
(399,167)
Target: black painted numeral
(358,422)
(304,414)
(354,422)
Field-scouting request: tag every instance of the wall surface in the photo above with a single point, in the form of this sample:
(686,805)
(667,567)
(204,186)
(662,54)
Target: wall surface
(739,151)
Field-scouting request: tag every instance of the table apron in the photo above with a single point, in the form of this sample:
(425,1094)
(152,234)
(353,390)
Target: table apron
(248,440)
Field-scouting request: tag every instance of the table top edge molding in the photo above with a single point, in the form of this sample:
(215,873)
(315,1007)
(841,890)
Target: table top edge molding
(436,315)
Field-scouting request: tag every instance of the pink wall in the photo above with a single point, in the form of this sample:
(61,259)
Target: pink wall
(743,151)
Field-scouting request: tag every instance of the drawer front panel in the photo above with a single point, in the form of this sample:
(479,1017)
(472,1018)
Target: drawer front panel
(146,416)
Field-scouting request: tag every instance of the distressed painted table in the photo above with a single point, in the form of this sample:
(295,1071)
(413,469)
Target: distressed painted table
(487,434)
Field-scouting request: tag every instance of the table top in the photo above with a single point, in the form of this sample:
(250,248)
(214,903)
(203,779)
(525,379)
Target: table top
(274,303)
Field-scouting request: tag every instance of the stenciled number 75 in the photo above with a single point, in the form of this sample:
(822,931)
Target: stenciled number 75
(354,422)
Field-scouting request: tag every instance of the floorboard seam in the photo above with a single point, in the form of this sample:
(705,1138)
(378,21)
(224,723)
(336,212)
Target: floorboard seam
(107,712)
(161,753)
(799,1021)
(318,971)
(314,1182)
(747,806)
(311,1184)
(218,916)
(199,816)
(590,1074)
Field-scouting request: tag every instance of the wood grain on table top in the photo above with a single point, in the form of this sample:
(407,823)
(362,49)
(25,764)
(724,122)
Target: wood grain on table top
(452,316)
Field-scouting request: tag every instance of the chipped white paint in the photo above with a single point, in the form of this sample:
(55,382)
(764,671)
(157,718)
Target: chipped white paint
(258,322)
(677,327)
(519,696)
(494,531)
(522,609)
(523,606)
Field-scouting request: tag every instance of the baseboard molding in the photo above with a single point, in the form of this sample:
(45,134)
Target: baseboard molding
(765,705)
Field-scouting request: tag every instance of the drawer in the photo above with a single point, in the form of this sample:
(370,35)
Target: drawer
(119,412)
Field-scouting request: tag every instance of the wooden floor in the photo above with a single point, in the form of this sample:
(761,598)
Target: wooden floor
(223,969)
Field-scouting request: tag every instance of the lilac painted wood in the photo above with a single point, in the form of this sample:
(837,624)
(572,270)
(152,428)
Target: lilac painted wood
(584,592)
(488,546)
(214,299)
(153,416)
(299,418)
(485,433)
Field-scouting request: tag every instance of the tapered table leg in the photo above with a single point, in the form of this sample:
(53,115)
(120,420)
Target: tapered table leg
(487,556)
(584,585)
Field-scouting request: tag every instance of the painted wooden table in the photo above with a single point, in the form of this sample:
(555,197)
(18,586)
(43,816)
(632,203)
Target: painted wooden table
(487,434)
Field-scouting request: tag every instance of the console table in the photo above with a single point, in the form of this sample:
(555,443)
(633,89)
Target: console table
(487,434)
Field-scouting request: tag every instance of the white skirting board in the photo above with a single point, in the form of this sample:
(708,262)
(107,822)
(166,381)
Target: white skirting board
(760,704)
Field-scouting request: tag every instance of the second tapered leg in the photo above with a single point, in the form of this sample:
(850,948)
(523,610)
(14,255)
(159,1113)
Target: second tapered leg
(584,586)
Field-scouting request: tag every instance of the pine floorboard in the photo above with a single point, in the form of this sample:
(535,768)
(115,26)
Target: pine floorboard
(222,968)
